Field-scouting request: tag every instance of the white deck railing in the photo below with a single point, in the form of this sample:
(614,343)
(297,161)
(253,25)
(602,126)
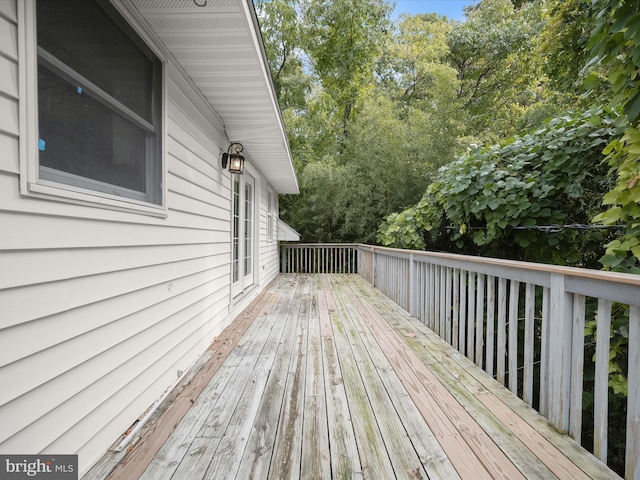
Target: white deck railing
(523,323)
(319,258)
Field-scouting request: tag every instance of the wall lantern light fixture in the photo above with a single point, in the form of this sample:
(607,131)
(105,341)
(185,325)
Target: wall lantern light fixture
(234,158)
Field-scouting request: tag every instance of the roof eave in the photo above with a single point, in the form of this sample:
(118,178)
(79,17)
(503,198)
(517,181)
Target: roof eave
(219,47)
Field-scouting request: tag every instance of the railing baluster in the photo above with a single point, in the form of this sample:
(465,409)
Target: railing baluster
(436,298)
(323,260)
(443,306)
(432,298)
(529,342)
(544,351)
(491,306)
(456,308)
(462,321)
(514,297)
(479,319)
(632,457)
(502,322)
(471,315)
(448,305)
(424,287)
(577,367)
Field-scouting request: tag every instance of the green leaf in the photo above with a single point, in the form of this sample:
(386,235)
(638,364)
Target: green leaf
(611,260)
(632,107)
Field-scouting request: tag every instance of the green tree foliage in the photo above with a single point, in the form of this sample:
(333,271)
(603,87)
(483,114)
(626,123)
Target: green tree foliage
(563,44)
(492,55)
(616,43)
(343,40)
(490,200)
(282,35)
(382,169)
(385,105)
(413,68)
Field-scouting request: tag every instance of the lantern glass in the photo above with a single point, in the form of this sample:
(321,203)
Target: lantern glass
(236,163)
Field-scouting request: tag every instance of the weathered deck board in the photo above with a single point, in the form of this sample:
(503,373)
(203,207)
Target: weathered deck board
(374,366)
(466,444)
(374,459)
(285,458)
(429,452)
(315,431)
(233,437)
(562,455)
(332,380)
(345,461)
(257,459)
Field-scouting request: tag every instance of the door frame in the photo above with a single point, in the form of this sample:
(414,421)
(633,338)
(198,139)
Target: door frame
(241,277)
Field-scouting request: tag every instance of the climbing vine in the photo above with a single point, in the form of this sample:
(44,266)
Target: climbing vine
(495,200)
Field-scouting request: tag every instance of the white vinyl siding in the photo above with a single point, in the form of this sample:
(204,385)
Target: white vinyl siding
(99,308)
(9,127)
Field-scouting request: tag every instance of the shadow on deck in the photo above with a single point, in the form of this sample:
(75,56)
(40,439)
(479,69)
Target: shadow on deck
(333,380)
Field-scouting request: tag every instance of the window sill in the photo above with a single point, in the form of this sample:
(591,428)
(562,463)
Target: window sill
(78,196)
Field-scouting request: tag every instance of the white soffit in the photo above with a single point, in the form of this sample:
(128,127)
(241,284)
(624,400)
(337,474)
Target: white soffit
(220,48)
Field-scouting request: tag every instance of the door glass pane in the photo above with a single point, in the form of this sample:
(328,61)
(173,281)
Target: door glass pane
(235,262)
(248,228)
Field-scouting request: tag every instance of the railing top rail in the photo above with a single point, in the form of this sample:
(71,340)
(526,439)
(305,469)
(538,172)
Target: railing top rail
(624,278)
(319,244)
(600,275)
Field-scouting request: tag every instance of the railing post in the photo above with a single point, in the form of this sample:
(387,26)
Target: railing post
(577,367)
(632,469)
(373,266)
(411,286)
(601,381)
(560,339)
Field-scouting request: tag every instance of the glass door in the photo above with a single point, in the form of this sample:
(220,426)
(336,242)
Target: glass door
(243,226)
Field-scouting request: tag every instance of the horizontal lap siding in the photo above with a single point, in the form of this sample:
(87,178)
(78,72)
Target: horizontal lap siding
(9,159)
(100,309)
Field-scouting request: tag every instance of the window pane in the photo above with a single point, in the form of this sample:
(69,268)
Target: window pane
(236,230)
(83,36)
(82,137)
(248,228)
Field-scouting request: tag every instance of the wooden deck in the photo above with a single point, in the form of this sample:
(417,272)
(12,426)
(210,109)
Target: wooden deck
(332,380)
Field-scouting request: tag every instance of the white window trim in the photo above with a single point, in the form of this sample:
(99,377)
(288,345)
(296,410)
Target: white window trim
(31,184)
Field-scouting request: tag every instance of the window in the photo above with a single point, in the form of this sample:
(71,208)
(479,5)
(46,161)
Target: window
(271,216)
(236,229)
(99,103)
